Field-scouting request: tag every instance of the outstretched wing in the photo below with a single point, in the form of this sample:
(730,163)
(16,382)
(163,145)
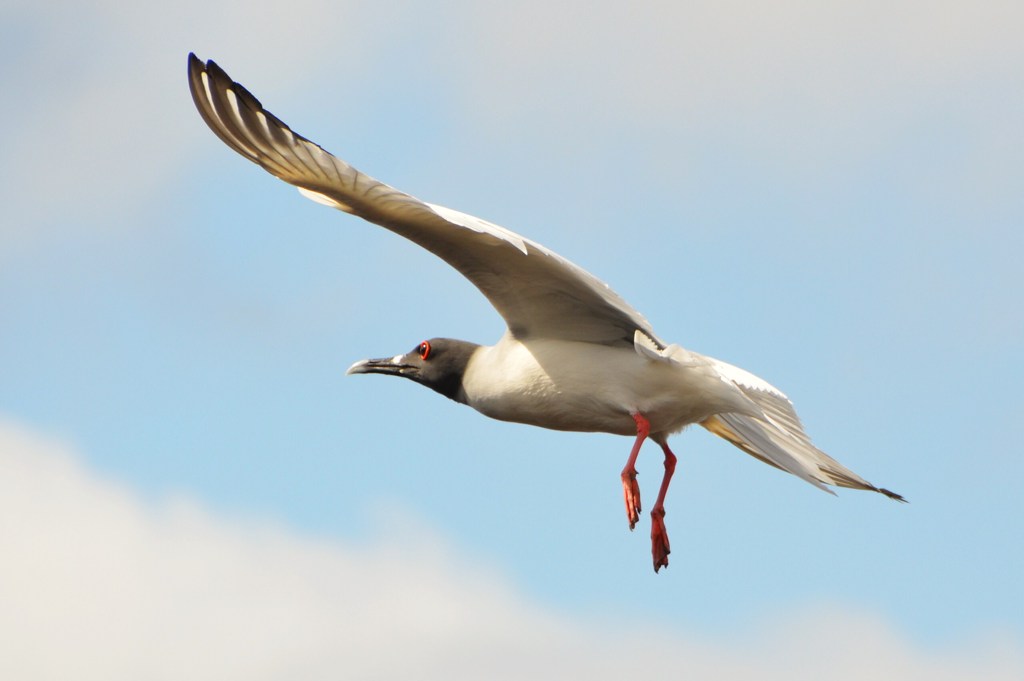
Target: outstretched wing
(779,438)
(537,292)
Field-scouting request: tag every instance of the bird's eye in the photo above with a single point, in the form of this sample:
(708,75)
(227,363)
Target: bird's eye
(424,349)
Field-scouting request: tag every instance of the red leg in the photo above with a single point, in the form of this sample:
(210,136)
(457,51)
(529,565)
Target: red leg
(630,488)
(659,536)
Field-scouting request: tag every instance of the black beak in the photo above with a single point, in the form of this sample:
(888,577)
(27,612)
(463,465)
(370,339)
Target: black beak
(394,366)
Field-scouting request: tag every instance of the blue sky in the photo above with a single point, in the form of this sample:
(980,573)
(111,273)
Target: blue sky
(827,195)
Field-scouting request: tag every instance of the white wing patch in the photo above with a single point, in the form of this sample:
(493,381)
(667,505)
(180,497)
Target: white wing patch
(233,101)
(324,199)
(479,225)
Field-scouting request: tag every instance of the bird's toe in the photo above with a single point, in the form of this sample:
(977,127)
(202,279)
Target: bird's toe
(659,539)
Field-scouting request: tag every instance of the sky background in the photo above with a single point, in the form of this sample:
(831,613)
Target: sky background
(826,194)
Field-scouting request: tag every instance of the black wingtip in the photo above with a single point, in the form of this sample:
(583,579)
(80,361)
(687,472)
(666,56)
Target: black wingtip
(893,495)
(195,64)
(193,59)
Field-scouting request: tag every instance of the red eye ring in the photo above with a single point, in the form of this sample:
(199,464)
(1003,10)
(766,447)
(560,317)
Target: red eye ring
(424,350)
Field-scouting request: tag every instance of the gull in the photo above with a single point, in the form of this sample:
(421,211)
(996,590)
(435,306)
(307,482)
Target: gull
(575,356)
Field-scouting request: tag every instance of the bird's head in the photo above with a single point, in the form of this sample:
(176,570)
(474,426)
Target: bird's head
(438,363)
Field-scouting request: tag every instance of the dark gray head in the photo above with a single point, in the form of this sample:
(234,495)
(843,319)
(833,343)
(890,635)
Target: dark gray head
(437,363)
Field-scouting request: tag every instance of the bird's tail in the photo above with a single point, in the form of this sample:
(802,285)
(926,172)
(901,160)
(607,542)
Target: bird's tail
(777,447)
(768,427)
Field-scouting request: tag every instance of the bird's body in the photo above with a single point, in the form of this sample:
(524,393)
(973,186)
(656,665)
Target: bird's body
(569,385)
(575,356)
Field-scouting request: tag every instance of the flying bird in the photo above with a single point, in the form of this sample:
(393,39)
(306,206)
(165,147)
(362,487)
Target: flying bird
(575,356)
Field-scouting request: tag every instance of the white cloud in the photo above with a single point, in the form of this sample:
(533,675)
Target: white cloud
(103,117)
(731,59)
(98,583)
(806,87)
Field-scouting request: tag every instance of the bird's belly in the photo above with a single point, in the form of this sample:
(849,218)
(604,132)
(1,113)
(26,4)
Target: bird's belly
(584,387)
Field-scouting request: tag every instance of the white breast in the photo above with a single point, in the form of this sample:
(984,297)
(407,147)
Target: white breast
(568,385)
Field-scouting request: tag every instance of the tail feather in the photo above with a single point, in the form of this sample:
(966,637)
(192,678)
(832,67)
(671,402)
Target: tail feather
(778,437)
(775,446)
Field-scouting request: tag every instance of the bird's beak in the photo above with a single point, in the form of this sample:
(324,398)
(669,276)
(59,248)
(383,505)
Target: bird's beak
(394,366)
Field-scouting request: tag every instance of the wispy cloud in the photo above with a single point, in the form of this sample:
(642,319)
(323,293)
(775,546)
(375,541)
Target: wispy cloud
(804,78)
(100,583)
(103,116)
